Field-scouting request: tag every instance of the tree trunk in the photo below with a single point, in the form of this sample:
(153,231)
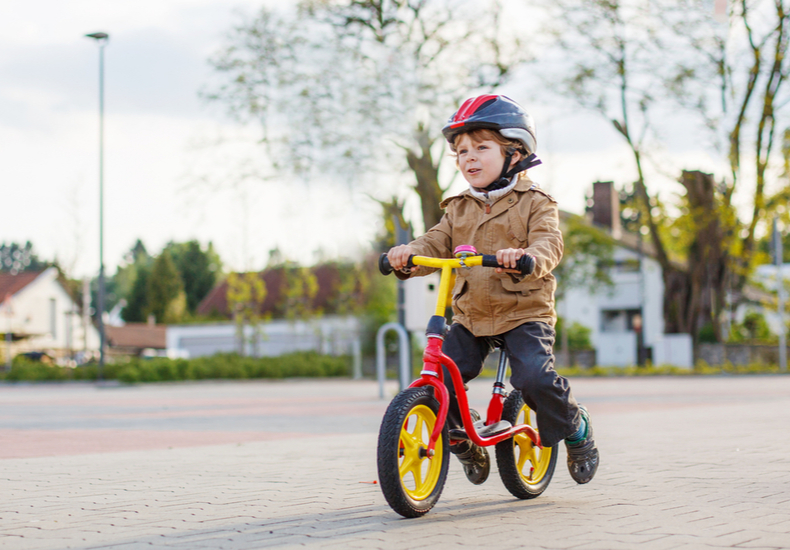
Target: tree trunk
(696,296)
(426,172)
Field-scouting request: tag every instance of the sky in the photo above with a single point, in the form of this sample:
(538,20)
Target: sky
(165,178)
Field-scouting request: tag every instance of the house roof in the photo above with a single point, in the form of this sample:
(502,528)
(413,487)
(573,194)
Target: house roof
(137,335)
(11,284)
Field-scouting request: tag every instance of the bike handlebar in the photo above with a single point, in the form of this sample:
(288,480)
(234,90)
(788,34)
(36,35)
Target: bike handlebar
(525,264)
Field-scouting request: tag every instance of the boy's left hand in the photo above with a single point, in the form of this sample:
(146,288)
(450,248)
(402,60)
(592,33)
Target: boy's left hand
(508,257)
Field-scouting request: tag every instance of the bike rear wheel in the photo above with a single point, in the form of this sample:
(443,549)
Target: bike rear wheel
(525,468)
(411,482)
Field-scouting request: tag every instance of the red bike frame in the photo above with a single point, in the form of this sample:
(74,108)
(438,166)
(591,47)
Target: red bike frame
(432,375)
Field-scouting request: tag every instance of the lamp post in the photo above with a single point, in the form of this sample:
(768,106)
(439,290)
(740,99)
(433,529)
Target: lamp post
(101,39)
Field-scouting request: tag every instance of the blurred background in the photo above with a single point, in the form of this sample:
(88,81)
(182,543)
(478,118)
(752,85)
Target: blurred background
(257,156)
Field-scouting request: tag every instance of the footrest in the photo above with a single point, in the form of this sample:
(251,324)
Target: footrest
(493,429)
(459,434)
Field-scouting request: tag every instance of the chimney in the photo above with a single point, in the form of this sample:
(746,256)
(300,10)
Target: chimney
(606,207)
(151,320)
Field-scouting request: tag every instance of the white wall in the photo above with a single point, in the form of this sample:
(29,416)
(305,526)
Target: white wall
(420,295)
(44,310)
(674,349)
(330,335)
(616,349)
(631,291)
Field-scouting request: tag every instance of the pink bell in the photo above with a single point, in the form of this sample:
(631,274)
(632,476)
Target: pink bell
(464,251)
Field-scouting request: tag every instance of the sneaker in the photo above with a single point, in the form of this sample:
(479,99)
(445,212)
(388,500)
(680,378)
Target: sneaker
(474,459)
(583,455)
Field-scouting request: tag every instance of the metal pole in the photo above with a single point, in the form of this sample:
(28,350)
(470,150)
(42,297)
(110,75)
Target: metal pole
(403,236)
(356,354)
(101,38)
(779,260)
(404,370)
(102,335)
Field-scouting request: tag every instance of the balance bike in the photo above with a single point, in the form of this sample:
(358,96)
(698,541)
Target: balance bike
(413,444)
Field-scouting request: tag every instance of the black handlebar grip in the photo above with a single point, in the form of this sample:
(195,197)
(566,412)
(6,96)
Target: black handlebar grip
(489,260)
(525,264)
(386,268)
(384,265)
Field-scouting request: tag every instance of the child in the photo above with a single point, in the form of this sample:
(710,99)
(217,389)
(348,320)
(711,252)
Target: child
(504,212)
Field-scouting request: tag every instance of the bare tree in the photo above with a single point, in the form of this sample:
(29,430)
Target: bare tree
(737,79)
(353,88)
(624,54)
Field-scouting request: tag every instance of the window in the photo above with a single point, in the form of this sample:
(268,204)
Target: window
(621,320)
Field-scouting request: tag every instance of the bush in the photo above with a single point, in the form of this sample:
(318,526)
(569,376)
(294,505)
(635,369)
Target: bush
(578,335)
(162,369)
(754,330)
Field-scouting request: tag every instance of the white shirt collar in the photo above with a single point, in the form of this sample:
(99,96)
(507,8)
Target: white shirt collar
(493,196)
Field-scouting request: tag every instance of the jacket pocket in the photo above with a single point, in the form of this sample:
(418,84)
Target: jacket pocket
(523,298)
(525,288)
(459,290)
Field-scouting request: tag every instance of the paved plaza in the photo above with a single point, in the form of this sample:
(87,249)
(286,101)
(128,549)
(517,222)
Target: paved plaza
(686,462)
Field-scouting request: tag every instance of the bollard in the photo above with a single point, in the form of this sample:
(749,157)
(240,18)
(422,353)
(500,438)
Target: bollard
(404,371)
(356,353)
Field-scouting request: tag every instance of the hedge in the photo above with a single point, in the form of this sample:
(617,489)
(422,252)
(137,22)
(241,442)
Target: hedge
(161,369)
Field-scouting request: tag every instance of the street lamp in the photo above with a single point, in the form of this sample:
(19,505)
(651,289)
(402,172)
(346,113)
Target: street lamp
(101,39)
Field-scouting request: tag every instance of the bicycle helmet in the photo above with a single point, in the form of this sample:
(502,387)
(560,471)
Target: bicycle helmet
(501,114)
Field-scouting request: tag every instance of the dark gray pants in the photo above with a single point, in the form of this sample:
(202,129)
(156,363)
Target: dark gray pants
(530,350)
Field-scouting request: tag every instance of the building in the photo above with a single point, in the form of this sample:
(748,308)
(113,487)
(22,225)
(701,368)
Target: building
(39,315)
(137,339)
(626,319)
(333,335)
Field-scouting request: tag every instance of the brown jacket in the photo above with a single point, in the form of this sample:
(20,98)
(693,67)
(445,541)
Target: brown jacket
(484,301)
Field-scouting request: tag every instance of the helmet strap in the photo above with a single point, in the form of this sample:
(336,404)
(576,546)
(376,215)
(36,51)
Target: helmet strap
(507,173)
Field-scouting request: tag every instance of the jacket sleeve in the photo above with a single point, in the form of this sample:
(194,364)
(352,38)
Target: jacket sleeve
(436,243)
(544,236)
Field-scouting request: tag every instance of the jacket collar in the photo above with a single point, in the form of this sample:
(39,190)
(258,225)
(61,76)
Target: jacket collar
(522,185)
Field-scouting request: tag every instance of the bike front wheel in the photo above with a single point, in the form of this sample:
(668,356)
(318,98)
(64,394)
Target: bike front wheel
(525,468)
(411,481)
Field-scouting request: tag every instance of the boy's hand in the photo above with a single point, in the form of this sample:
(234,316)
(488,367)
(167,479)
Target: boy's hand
(399,256)
(508,257)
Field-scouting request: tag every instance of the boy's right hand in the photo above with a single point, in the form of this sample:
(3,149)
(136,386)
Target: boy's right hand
(398,257)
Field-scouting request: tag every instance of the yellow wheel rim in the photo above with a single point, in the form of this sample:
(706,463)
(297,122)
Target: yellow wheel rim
(532,461)
(418,474)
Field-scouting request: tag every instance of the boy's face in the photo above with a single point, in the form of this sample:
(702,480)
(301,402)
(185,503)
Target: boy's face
(479,161)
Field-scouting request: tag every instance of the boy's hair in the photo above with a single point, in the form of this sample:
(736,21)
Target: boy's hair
(483,134)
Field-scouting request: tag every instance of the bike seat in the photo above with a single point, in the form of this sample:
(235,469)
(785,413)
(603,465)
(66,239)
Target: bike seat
(482,429)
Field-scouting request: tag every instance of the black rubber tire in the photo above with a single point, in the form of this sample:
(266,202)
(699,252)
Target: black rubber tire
(507,459)
(389,454)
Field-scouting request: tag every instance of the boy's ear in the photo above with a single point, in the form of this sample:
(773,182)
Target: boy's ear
(517,156)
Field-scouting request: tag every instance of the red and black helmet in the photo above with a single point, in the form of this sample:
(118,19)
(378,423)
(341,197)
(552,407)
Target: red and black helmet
(493,112)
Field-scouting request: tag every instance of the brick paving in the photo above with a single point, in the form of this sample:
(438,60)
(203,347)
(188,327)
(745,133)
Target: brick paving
(686,463)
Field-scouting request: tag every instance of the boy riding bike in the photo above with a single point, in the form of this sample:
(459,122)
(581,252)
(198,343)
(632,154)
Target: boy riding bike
(503,211)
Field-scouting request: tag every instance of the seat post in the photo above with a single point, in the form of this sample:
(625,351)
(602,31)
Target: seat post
(501,371)
(498,393)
